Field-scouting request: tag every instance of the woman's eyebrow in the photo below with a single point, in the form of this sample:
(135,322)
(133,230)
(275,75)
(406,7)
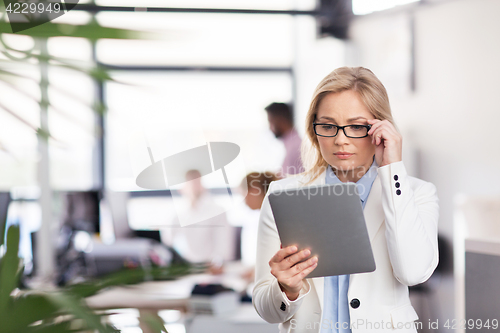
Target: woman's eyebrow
(349,120)
(356,118)
(327,118)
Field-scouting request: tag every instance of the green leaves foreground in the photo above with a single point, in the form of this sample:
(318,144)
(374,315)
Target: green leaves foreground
(63,310)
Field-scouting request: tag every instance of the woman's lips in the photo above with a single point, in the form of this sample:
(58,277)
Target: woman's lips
(343,155)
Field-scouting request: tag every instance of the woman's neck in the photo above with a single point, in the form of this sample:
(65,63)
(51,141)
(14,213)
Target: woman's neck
(352,175)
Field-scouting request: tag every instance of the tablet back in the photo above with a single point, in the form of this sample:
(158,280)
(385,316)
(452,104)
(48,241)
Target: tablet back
(328,219)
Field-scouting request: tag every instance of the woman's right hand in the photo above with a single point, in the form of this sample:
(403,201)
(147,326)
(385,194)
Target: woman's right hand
(290,274)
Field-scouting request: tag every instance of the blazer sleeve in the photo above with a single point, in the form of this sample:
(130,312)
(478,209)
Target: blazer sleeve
(411,211)
(270,302)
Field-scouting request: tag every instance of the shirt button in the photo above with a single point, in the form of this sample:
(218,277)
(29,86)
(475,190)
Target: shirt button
(283,306)
(396,177)
(355,303)
(398,192)
(397,185)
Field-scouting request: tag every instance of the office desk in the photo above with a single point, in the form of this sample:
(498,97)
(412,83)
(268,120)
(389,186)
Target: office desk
(150,297)
(165,294)
(147,297)
(154,295)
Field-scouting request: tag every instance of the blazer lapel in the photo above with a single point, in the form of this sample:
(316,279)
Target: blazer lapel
(319,284)
(374,217)
(373,212)
(320,180)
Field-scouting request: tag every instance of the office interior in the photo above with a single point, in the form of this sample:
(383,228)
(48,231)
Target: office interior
(203,71)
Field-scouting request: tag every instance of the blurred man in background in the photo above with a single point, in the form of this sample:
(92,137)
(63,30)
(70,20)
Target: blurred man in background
(280,117)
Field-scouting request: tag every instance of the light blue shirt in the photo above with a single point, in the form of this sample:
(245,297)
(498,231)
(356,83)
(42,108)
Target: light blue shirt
(336,305)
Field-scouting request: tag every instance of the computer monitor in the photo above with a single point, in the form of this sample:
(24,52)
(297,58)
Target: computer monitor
(81,210)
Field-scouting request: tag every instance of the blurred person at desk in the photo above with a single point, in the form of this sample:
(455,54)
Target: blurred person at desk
(209,241)
(280,117)
(257,184)
(352,138)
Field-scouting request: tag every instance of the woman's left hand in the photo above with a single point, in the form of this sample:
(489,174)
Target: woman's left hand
(387,141)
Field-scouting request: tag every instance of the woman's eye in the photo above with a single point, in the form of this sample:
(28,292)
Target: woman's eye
(327,127)
(357,127)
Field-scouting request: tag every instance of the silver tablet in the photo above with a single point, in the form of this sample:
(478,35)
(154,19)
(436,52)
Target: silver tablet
(328,219)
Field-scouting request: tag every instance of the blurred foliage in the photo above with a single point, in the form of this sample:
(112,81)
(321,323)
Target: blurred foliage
(64,310)
(39,311)
(91,31)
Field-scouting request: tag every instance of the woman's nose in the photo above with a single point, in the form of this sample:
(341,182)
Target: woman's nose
(340,138)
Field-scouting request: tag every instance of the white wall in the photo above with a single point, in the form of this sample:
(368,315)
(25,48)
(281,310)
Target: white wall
(452,118)
(314,59)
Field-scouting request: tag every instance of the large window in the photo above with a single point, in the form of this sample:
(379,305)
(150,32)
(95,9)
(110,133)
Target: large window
(199,39)
(250,59)
(175,111)
(71,120)
(18,156)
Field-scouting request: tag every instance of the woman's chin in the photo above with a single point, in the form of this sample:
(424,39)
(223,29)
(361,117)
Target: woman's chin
(343,165)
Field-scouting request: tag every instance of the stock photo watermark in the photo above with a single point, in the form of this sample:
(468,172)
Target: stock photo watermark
(183,171)
(363,324)
(26,14)
(321,190)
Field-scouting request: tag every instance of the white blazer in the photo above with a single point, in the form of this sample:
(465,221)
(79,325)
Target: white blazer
(403,233)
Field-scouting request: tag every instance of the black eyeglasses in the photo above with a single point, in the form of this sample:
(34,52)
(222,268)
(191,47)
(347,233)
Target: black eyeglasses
(350,131)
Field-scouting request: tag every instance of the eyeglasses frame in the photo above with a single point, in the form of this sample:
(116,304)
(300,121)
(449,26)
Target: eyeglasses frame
(368,127)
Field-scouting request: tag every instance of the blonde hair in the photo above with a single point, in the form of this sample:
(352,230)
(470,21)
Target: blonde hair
(372,93)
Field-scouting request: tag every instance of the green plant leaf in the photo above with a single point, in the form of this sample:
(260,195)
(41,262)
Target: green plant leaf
(91,31)
(154,323)
(131,276)
(15,115)
(96,72)
(62,327)
(98,107)
(2,229)
(43,104)
(9,267)
(66,326)
(47,307)
(28,308)
(74,305)
(90,288)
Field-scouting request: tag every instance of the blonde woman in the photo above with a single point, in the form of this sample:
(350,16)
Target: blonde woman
(351,137)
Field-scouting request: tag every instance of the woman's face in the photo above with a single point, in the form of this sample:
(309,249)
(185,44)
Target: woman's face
(349,157)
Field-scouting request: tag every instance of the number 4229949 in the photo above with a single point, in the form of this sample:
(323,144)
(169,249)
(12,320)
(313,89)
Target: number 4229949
(32,8)
(471,324)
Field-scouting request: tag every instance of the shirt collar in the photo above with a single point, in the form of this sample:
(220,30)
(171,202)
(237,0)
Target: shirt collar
(364,184)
